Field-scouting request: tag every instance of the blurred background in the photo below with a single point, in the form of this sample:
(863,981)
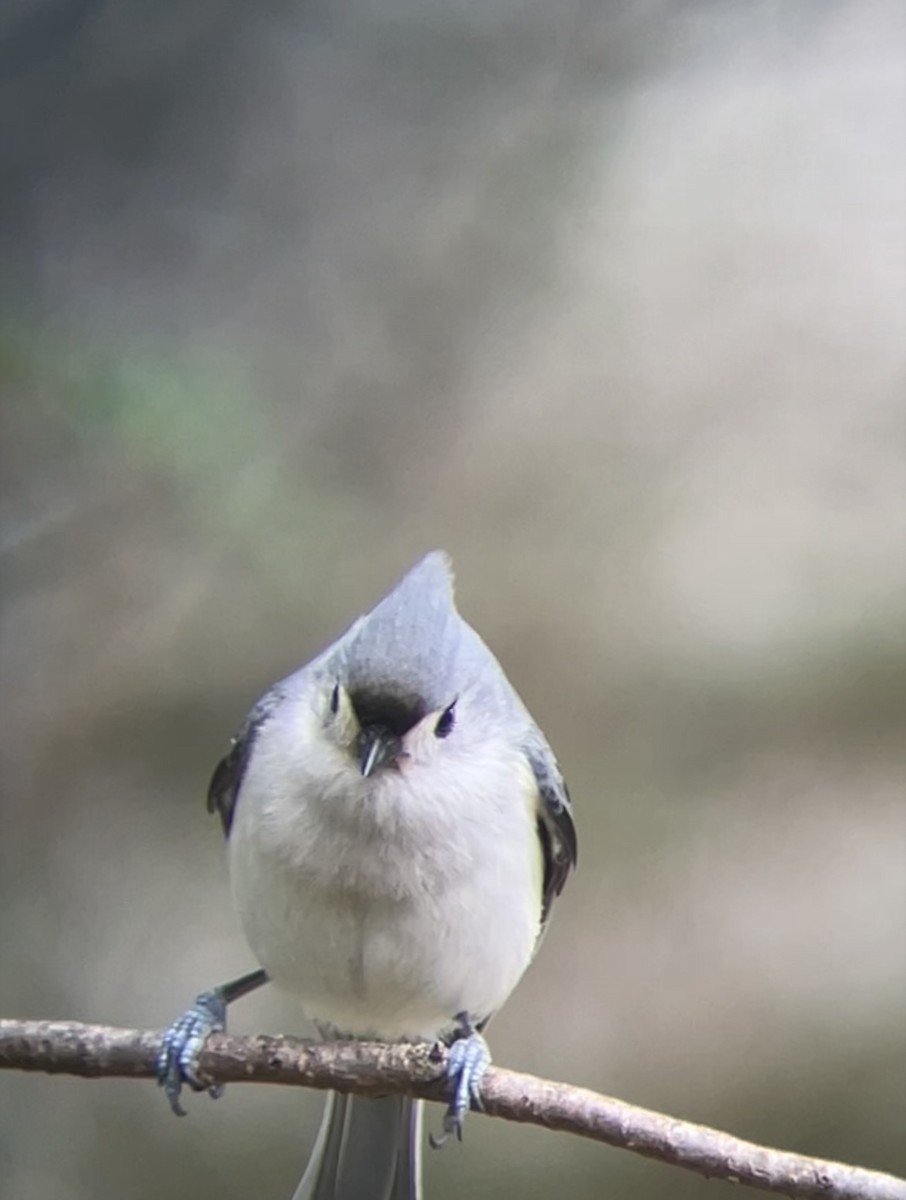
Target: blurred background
(609,301)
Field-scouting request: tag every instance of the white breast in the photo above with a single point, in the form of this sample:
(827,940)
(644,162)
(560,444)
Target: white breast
(388,905)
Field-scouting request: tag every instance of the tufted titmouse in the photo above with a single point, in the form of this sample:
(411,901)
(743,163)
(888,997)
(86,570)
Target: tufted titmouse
(398,830)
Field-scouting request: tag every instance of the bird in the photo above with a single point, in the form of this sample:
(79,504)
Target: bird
(397,830)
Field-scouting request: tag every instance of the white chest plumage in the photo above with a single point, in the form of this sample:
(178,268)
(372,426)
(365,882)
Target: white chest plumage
(390,904)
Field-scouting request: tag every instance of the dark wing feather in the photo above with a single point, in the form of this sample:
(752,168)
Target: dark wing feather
(223,790)
(556,828)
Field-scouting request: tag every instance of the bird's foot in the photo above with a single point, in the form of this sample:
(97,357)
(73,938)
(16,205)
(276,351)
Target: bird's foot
(179,1060)
(468,1059)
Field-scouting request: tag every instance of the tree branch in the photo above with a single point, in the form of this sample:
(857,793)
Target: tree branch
(372,1069)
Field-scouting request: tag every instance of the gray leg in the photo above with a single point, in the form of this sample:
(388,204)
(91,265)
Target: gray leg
(180,1052)
(468,1060)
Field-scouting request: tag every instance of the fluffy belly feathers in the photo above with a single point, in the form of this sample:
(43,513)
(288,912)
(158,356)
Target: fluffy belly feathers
(386,925)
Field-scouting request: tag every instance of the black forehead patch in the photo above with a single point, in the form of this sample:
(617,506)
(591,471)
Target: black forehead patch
(395,711)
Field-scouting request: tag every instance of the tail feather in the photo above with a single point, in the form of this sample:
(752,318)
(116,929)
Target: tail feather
(365,1150)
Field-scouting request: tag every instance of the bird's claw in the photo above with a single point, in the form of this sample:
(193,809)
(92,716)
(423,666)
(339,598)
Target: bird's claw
(467,1062)
(179,1060)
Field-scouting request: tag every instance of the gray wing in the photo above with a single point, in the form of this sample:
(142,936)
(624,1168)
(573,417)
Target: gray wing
(223,790)
(556,828)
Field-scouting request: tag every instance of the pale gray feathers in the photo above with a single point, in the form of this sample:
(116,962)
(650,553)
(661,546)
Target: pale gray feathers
(414,647)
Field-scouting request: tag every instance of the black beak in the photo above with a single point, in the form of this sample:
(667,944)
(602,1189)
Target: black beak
(377,747)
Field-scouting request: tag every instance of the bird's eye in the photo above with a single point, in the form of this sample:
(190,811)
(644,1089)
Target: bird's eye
(335,699)
(445,721)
